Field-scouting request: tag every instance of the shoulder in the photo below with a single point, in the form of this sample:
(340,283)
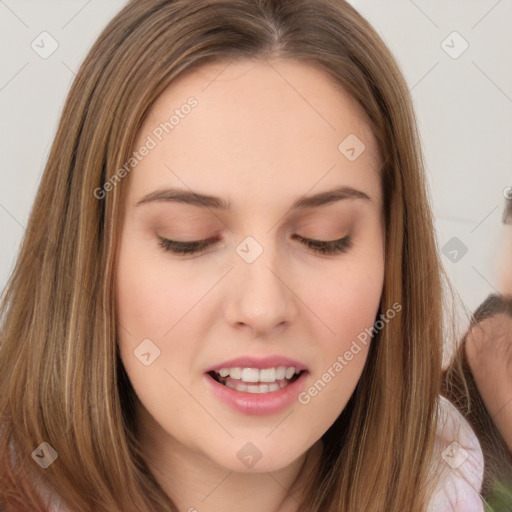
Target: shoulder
(459,457)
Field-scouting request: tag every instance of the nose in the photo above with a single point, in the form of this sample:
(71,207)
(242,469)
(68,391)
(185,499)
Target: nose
(262,296)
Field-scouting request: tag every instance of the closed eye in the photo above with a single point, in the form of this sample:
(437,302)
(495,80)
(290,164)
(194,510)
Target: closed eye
(327,247)
(198,246)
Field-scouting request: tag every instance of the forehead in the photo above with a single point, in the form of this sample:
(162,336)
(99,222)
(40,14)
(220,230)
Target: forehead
(265,128)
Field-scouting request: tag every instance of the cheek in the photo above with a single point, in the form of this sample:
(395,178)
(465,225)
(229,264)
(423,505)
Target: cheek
(151,297)
(347,298)
(147,309)
(347,301)
(155,301)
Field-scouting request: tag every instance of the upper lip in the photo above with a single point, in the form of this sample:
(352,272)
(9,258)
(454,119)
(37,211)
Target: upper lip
(257,362)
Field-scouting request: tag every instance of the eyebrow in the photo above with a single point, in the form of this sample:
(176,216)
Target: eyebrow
(179,195)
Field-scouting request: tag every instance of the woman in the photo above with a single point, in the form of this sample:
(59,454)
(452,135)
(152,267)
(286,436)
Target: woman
(235,200)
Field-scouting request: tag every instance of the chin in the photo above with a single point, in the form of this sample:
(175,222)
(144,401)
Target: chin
(250,459)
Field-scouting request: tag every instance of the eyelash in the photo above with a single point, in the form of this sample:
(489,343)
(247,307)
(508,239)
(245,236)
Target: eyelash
(197,246)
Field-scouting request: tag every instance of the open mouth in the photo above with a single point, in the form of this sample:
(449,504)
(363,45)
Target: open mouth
(268,386)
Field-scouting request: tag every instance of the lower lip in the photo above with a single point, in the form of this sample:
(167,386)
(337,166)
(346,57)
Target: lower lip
(258,403)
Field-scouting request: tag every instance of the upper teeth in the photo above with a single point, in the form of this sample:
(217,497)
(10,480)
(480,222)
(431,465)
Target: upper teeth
(256,375)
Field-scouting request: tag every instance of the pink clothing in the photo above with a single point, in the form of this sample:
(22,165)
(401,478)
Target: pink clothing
(462,461)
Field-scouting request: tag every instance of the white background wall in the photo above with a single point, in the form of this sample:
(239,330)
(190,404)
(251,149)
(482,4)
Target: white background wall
(463,104)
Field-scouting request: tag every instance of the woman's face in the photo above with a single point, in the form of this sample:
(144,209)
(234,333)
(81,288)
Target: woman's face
(262,138)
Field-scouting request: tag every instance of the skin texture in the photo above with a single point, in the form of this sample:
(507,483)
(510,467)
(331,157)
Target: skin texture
(489,353)
(263,134)
(506,265)
(504,277)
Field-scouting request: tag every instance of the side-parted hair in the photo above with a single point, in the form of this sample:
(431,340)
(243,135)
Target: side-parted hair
(61,378)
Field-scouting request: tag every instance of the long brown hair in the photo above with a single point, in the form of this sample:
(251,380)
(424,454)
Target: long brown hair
(61,378)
